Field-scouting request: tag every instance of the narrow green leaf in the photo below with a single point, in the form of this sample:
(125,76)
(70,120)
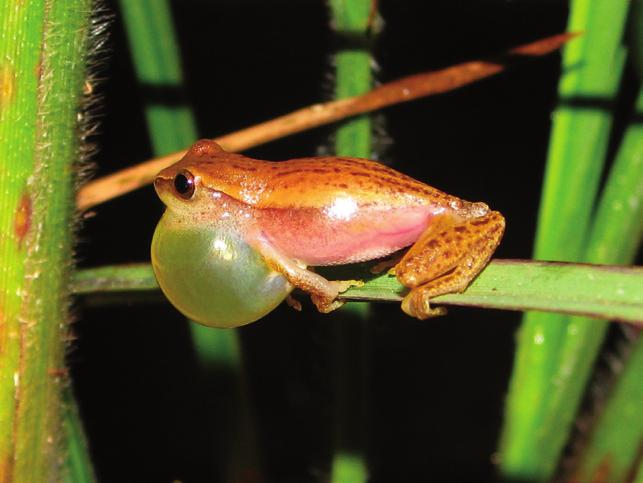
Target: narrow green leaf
(155,55)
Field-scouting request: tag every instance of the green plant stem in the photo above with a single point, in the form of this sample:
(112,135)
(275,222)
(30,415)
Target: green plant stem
(531,442)
(156,60)
(42,69)
(611,292)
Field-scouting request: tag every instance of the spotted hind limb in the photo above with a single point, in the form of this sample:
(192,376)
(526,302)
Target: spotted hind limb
(323,292)
(446,258)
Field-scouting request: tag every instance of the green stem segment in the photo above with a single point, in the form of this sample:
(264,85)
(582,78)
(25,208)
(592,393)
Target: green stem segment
(353,77)
(42,69)
(552,353)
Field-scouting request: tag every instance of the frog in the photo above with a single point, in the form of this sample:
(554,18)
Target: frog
(312,212)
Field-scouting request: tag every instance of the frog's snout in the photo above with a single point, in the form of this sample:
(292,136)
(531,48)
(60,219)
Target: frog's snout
(161,184)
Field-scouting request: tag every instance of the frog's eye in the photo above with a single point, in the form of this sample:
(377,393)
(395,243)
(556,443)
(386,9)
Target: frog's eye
(184,184)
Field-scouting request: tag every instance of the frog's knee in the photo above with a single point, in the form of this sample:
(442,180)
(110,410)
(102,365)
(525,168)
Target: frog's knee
(406,276)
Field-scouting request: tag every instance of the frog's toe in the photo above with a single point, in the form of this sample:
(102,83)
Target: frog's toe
(293,303)
(416,304)
(325,304)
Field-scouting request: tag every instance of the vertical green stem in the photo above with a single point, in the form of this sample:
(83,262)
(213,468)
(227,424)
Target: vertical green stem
(537,421)
(353,76)
(156,58)
(42,69)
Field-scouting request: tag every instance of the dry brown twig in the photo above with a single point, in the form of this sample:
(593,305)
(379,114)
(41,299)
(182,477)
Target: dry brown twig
(401,90)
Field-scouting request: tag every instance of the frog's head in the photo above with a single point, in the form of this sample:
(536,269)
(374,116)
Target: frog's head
(184,186)
(199,251)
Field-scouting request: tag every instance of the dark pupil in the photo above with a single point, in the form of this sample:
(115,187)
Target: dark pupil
(183,185)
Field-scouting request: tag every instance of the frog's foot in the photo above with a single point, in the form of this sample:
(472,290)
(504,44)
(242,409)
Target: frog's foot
(446,258)
(325,306)
(322,292)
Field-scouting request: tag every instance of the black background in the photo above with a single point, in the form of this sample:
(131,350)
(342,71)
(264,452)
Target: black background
(436,388)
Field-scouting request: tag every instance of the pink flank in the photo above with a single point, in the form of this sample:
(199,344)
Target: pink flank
(330,237)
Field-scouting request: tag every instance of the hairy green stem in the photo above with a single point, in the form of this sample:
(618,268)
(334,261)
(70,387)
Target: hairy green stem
(42,68)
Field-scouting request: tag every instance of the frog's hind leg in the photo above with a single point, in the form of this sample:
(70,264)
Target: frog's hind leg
(322,292)
(446,258)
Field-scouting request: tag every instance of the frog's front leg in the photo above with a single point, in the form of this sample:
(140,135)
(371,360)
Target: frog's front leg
(322,292)
(446,258)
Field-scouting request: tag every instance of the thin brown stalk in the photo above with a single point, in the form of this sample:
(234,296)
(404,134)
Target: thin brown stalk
(401,90)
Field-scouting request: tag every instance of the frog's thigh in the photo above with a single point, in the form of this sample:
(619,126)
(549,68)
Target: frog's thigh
(322,292)
(445,259)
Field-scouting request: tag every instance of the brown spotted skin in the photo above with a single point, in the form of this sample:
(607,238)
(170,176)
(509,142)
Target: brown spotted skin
(305,182)
(450,245)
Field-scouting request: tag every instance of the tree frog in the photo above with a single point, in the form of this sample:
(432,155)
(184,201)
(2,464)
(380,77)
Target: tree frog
(287,216)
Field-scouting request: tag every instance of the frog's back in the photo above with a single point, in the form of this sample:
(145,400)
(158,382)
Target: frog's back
(306,182)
